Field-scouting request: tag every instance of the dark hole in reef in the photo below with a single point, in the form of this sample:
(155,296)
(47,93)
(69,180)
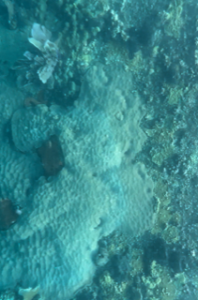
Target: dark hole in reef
(133,293)
(180,135)
(154,249)
(171,256)
(169,75)
(175,261)
(132,48)
(180,260)
(140,38)
(119,266)
(84,295)
(66,96)
(144,34)
(172,164)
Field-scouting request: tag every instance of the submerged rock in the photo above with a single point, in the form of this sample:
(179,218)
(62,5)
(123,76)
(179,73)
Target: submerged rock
(51,156)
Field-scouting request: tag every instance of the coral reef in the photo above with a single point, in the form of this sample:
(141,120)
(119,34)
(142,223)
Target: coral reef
(96,192)
(148,54)
(8,295)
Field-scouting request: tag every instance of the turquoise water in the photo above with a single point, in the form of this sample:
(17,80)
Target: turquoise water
(98,151)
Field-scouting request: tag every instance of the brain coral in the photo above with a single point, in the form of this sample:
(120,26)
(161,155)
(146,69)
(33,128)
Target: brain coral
(99,189)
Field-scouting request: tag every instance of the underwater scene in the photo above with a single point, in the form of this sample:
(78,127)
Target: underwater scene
(98,150)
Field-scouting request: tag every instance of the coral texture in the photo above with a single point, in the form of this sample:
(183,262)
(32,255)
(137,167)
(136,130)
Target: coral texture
(98,190)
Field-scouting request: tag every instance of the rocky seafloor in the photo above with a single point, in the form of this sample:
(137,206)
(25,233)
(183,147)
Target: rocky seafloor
(99,151)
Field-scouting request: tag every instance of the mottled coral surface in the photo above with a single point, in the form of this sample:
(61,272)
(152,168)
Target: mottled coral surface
(97,191)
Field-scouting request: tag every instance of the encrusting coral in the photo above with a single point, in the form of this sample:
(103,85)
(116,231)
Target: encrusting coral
(97,191)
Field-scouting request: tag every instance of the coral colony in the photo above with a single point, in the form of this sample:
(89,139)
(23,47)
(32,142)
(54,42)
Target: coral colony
(71,174)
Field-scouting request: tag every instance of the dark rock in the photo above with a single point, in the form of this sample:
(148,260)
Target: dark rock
(8,214)
(51,156)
